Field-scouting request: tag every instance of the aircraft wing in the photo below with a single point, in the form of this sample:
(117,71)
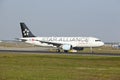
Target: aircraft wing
(53,43)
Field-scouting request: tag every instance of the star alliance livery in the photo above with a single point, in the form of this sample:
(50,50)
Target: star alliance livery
(61,43)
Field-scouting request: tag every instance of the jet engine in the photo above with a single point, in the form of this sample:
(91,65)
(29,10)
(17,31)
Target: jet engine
(66,47)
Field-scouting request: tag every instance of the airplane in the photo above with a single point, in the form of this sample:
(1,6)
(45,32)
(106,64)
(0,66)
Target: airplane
(61,43)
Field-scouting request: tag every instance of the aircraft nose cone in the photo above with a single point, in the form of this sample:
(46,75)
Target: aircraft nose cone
(102,43)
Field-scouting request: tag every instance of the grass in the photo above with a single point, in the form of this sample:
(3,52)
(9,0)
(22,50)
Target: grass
(58,67)
(96,50)
(103,49)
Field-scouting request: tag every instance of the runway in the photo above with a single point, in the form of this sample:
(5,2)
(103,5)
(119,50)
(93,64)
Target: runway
(22,48)
(48,52)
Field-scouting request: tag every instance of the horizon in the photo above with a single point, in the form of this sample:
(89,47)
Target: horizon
(89,18)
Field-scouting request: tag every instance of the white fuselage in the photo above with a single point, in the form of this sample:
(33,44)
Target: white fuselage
(74,41)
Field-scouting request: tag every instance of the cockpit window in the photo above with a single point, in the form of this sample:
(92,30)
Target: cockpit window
(97,40)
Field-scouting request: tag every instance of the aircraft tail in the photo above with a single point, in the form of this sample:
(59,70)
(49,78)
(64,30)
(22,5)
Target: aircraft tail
(26,31)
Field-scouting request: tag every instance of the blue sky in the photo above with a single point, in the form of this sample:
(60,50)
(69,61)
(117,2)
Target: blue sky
(97,18)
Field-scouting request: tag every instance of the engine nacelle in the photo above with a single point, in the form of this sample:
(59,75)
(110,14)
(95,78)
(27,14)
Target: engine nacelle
(66,47)
(78,48)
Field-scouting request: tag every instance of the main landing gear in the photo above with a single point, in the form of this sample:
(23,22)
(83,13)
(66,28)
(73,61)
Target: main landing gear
(59,50)
(66,51)
(91,49)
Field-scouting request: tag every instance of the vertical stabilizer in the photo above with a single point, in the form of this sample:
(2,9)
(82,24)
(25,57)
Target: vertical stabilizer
(26,31)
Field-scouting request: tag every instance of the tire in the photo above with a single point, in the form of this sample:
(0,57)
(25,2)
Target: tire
(66,51)
(58,50)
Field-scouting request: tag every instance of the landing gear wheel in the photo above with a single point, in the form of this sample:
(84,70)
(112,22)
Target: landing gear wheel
(66,51)
(58,50)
